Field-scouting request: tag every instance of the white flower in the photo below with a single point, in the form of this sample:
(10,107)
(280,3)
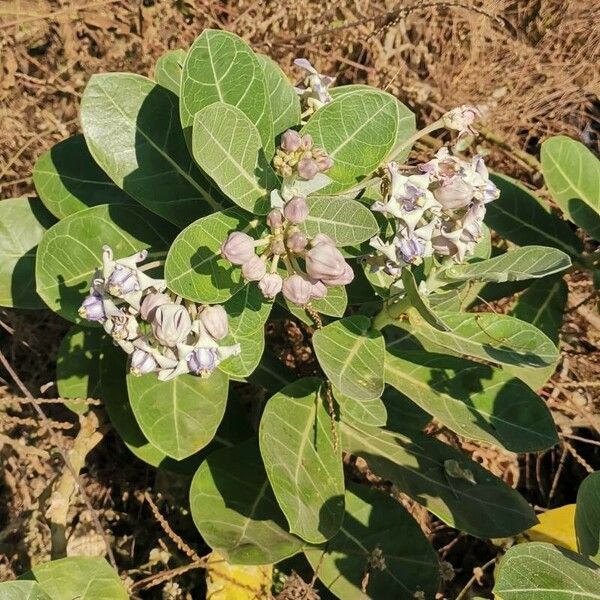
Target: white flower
(315,92)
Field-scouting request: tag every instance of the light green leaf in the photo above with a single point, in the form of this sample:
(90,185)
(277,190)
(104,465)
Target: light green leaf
(376,526)
(285,103)
(302,463)
(587,517)
(23,223)
(334,305)
(68,180)
(403,415)
(352,356)
(247,310)
(22,590)
(345,221)
(227,146)
(541,571)
(419,303)
(195,269)
(81,577)
(71,251)
(180,416)
(221,67)
(358,131)
(519,216)
(131,127)
(252,346)
(572,174)
(369,412)
(234,509)
(415,464)
(167,71)
(474,400)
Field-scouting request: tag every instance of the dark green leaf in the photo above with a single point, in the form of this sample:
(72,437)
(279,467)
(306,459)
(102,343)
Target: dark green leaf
(369,412)
(587,517)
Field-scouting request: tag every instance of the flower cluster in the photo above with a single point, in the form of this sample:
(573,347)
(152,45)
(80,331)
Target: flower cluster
(159,334)
(314,92)
(438,209)
(297,156)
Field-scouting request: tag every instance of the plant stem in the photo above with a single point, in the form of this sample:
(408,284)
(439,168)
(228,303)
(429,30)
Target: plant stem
(390,312)
(465,590)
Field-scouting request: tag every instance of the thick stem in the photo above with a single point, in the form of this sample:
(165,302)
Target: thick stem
(390,313)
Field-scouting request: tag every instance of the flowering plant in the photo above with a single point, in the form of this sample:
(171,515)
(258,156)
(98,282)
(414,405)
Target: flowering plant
(199,205)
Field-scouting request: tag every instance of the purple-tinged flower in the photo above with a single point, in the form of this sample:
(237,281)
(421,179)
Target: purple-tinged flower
(214,319)
(122,281)
(297,289)
(297,242)
(275,218)
(324,261)
(411,250)
(171,324)
(461,118)
(290,141)
(455,193)
(307,168)
(92,308)
(254,269)
(324,163)
(238,248)
(122,326)
(203,361)
(296,210)
(151,302)
(142,362)
(319,290)
(316,86)
(270,285)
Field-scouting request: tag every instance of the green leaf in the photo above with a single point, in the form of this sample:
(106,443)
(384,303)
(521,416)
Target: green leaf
(227,146)
(358,131)
(345,221)
(131,127)
(488,336)
(368,412)
(23,222)
(403,415)
(195,269)
(419,303)
(167,71)
(334,305)
(376,525)
(71,251)
(587,517)
(519,216)
(531,262)
(247,310)
(415,463)
(252,346)
(302,463)
(572,174)
(22,590)
(78,366)
(81,577)
(541,571)
(352,356)
(180,416)
(474,400)
(221,67)
(285,103)
(234,509)
(68,180)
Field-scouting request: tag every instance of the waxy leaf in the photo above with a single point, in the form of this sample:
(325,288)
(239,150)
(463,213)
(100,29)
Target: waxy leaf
(344,220)
(540,571)
(23,223)
(221,67)
(587,517)
(180,416)
(303,465)
(358,131)
(352,356)
(131,127)
(227,146)
(376,525)
(252,346)
(247,311)
(474,400)
(234,509)
(572,174)
(519,216)
(68,180)
(416,464)
(420,303)
(195,269)
(403,415)
(71,251)
(167,71)
(368,412)
(22,590)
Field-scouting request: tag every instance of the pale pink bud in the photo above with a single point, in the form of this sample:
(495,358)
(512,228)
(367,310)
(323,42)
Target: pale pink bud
(275,218)
(278,247)
(270,285)
(171,324)
(291,141)
(319,290)
(322,238)
(324,261)
(254,269)
(307,142)
(214,319)
(324,163)
(297,242)
(344,279)
(307,168)
(150,303)
(238,248)
(456,193)
(297,289)
(296,210)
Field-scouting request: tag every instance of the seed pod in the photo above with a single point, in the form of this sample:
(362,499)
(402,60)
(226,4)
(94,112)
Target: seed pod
(171,324)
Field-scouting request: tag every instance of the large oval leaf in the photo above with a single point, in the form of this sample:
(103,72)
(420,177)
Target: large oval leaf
(352,356)
(168,68)
(572,174)
(303,465)
(195,269)
(180,416)
(234,509)
(587,517)
(367,412)
(376,525)
(23,223)
(71,251)
(228,148)
(418,465)
(22,590)
(474,400)
(132,130)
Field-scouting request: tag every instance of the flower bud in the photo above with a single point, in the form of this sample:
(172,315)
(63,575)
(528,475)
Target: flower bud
(150,303)
(277,247)
(324,261)
(307,142)
(214,319)
(171,324)
(296,210)
(203,361)
(297,289)
(319,290)
(238,248)
(324,163)
(456,193)
(254,269)
(275,218)
(296,242)
(291,140)
(307,168)
(344,279)
(92,308)
(322,238)
(142,362)
(122,281)
(270,285)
